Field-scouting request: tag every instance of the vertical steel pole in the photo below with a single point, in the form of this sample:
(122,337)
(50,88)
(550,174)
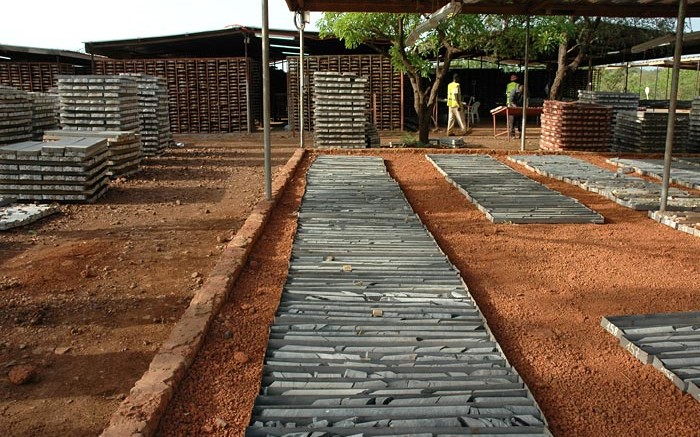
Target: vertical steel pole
(301,78)
(656,84)
(671,126)
(266,98)
(249,120)
(526,83)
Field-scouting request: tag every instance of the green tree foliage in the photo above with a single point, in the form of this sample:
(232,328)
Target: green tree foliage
(658,81)
(456,36)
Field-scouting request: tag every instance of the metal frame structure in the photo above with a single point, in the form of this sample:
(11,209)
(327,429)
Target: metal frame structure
(607,8)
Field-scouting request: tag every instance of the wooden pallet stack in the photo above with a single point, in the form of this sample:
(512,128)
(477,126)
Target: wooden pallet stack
(575,126)
(204,94)
(15,115)
(384,87)
(70,170)
(98,103)
(153,113)
(33,76)
(124,152)
(45,109)
(645,132)
(693,145)
(340,110)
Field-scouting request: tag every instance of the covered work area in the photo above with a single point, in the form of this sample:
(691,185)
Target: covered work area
(607,8)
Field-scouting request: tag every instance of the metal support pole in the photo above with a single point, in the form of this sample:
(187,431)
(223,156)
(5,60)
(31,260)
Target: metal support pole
(526,83)
(300,26)
(627,74)
(671,126)
(266,98)
(656,84)
(249,113)
(402,102)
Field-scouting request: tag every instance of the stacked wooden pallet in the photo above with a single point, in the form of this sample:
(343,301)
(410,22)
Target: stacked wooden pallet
(153,113)
(15,115)
(384,87)
(339,115)
(72,169)
(44,113)
(575,126)
(124,152)
(204,94)
(33,76)
(98,103)
(693,145)
(645,132)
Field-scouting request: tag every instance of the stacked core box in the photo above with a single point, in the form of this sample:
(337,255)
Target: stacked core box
(72,169)
(340,110)
(15,115)
(99,103)
(575,126)
(645,132)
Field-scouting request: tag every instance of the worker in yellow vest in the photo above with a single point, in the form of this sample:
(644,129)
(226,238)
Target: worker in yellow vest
(513,93)
(455,106)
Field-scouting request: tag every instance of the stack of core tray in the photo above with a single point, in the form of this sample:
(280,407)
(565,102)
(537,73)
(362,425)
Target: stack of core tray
(575,126)
(15,115)
(153,113)
(99,103)
(645,132)
(340,110)
(123,148)
(617,101)
(44,113)
(72,169)
(693,145)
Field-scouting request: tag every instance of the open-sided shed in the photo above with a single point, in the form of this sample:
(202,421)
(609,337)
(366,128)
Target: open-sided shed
(609,8)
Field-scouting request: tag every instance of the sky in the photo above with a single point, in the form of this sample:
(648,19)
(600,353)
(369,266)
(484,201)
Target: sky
(67,24)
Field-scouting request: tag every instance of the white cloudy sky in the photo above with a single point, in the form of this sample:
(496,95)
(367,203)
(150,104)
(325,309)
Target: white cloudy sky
(67,24)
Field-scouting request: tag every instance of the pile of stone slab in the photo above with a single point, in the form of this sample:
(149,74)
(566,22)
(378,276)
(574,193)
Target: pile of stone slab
(575,126)
(693,145)
(13,216)
(506,196)
(340,110)
(376,333)
(645,132)
(99,103)
(44,113)
(153,113)
(123,148)
(15,115)
(668,341)
(682,173)
(619,102)
(626,190)
(684,221)
(71,169)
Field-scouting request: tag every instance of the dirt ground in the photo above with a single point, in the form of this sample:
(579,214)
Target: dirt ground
(88,295)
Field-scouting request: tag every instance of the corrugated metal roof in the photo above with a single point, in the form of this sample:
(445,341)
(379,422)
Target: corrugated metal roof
(607,8)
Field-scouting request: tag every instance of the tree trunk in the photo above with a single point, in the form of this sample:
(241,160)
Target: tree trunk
(424,122)
(555,90)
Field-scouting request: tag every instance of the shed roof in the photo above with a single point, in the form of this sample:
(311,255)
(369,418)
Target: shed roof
(37,54)
(229,42)
(607,8)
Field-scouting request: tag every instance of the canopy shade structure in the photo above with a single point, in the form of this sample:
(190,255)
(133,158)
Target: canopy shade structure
(605,8)
(229,42)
